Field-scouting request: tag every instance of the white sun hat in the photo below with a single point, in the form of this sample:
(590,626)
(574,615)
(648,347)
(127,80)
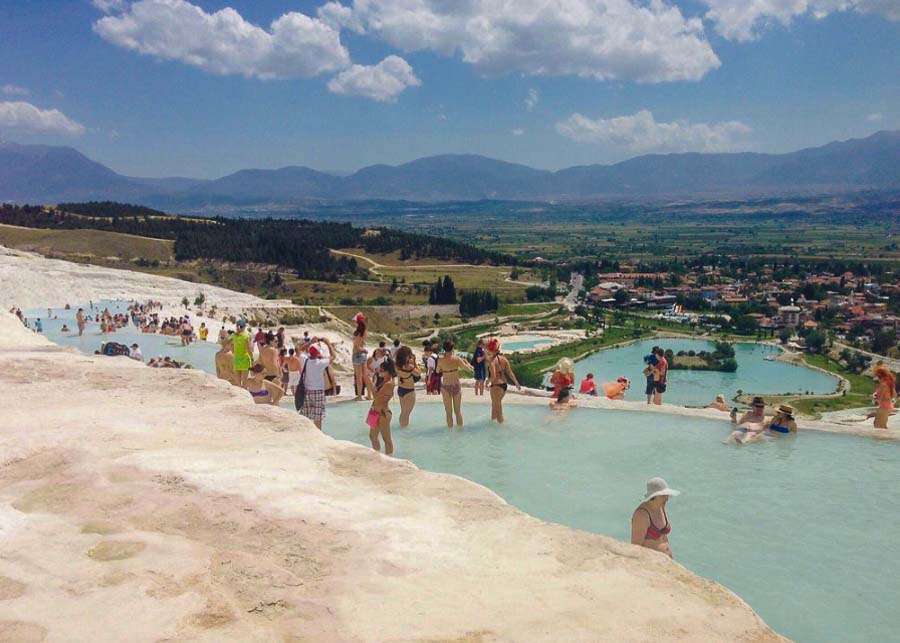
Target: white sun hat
(659,487)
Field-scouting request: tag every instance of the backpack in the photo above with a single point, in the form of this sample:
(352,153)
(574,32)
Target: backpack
(112,349)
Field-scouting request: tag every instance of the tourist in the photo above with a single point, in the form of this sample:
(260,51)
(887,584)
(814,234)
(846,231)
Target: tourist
(373,368)
(588,386)
(379,419)
(136,353)
(394,349)
(650,513)
(756,414)
(432,377)
(885,393)
(260,338)
(447,367)
(64,329)
(187,332)
(242,351)
(279,338)
(783,422)
(563,376)
(360,356)
(313,365)
(408,374)
(224,361)
(223,334)
(262,390)
(563,401)
(480,366)
(501,374)
(616,390)
(38,326)
(282,364)
(79,320)
(719,404)
(662,367)
(268,357)
(651,372)
(203,332)
(293,368)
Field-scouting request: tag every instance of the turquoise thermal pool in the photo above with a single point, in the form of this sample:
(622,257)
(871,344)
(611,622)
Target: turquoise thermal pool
(755,374)
(804,529)
(525,342)
(199,355)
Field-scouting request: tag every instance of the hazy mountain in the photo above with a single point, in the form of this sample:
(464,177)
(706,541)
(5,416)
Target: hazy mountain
(40,173)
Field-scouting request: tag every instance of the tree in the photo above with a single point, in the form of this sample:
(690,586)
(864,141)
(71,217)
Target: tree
(883,341)
(815,341)
(745,325)
(784,335)
(622,297)
(442,292)
(477,302)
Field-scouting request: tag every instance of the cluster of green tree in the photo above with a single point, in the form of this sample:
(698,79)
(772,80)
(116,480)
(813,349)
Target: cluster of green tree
(477,302)
(443,292)
(296,244)
(719,359)
(539,293)
(855,362)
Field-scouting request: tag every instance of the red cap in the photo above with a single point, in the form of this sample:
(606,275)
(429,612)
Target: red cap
(493,345)
(314,352)
(359,317)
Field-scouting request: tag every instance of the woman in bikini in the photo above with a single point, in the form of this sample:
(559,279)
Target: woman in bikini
(408,374)
(500,373)
(382,405)
(360,355)
(262,390)
(884,395)
(650,526)
(448,366)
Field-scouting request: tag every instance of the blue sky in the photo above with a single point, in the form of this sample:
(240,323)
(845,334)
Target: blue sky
(171,87)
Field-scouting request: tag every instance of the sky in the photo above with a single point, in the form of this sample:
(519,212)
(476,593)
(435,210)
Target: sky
(202,88)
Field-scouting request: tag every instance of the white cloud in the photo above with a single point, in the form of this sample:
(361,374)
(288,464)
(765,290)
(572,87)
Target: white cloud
(518,132)
(109,6)
(602,39)
(222,42)
(641,132)
(531,100)
(18,115)
(382,82)
(745,20)
(14,90)
(875,118)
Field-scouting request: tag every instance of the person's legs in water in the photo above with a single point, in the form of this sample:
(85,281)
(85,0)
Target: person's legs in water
(384,428)
(448,405)
(373,438)
(457,406)
(881,417)
(407,403)
(498,392)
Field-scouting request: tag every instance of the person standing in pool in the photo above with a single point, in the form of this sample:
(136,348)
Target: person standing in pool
(650,526)
(408,374)
(79,319)
(224,361)
(241,348)
(360,356)
(500,374)
(447,367)
(479,363)
(885,393)
(381,404)
(651,372)
(313,365)
(662,367)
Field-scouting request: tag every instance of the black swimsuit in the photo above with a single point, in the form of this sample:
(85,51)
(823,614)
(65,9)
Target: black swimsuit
(403,391)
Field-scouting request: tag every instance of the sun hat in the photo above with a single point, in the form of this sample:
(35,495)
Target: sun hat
(493,345)
(659,487)
(786,409)
(720,397)
(565,365)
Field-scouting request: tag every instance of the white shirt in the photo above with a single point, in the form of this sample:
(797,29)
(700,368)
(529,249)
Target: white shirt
(315,371)
(137,354)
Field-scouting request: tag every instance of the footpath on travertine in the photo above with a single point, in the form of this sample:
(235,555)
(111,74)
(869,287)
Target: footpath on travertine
(140,504)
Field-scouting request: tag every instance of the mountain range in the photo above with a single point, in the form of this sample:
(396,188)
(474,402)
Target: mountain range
(48,174)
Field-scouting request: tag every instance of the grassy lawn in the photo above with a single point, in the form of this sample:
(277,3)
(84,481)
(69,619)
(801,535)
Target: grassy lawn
(860,394)
(85,243)
(526,309)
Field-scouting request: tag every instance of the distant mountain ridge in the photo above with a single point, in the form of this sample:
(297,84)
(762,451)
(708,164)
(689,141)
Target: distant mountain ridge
(47,174)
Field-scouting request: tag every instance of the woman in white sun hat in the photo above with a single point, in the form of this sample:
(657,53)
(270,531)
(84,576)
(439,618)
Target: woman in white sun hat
(649,523)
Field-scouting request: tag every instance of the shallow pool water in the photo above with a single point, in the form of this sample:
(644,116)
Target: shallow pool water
(754,374)
(199,354)
(525,342)
(804,529)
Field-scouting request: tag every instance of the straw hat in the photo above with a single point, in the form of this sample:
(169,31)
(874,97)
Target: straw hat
(565,365)
(659,487)
(787,410)
(720,397)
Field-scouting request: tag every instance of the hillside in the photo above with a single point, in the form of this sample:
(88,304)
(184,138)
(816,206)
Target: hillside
(34,173)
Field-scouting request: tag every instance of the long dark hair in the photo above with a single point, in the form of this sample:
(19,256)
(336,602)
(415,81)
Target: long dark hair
(449,345)
(402,356)
(360,328)
(388,365)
